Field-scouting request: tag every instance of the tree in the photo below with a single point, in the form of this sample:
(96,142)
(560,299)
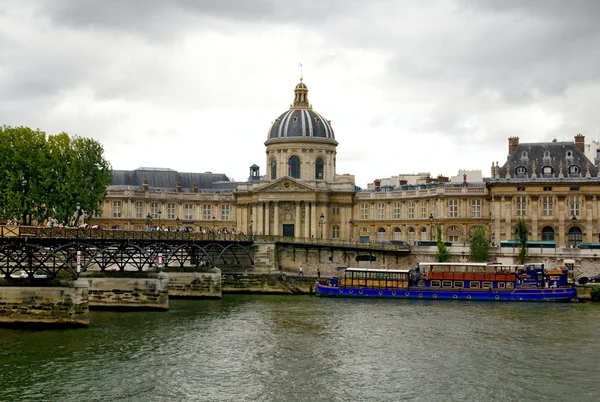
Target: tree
(46,177)
(480,247)
(443,254)
(521,233)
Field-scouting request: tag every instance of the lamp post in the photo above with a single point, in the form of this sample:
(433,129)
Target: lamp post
(251,222)
(430,226)
(159,225)
(77,214)
(177,222)
(321,222)
(149,222)
(213,245)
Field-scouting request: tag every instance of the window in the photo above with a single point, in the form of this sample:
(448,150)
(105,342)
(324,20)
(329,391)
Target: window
(510,285)
(381,235)
(547,234)
(487,284)
(397,234)
(521,205)
(381,211)
(459,284)
(547,188)
(501,285)
(574,170)
(574,205)
(474,284)
(364,211)
(225,212)
(411,210)
(335,232)
(575,236)
(116,209)
(547,170)
(574,188)
(446,284)
(294,167)
(546,206)
(520,188)
(170,211)
(139,210)
(423,210)
(335,209)
(397,210)
(475,208)
(207,212)
(411,235)
(188,211)
(319,168)
(154,210)
(435,283)
(452,208)
(273,169)
(521,171)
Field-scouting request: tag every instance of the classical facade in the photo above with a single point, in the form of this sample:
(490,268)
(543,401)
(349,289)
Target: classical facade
(553,186)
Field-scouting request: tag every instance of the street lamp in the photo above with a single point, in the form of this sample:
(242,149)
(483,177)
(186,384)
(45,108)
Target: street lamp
(213,245)
(159,225)
(431,226)
(77,214)
(321,222)
(149,221)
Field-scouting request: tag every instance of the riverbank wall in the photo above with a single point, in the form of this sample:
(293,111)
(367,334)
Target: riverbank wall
(128,291)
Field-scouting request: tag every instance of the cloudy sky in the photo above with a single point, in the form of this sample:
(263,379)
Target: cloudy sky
(409,86)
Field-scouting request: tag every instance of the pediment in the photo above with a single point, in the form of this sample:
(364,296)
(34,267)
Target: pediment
(287,185)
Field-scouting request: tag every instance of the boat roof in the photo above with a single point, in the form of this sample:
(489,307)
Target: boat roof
(450,264)
(393,271)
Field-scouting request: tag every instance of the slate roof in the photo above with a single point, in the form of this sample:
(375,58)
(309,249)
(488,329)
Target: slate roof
(547,160)
(160,178)
(301,124)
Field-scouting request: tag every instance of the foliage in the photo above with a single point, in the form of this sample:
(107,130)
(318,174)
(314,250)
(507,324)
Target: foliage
(521,232)
(443,254)
(595,293)
(480,247)
(46,176)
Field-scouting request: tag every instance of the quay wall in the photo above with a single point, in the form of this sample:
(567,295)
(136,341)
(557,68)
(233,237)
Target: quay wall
(276,284)
(147,292)
(62,305)
(195,285)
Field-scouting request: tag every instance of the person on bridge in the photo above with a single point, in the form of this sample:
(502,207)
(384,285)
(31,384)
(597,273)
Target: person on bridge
(300,271)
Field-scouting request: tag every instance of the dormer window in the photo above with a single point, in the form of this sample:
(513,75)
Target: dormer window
(547,170)
(574,169)
(521,170)
(295,119)
(546,154)
(524,154)
(569,154)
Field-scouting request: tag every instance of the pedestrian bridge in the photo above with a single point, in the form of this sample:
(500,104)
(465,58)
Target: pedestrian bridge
(33,251)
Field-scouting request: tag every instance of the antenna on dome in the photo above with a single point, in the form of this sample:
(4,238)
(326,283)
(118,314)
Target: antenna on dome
(300,67)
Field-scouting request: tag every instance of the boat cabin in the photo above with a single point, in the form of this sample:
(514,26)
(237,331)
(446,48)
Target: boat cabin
(372,278)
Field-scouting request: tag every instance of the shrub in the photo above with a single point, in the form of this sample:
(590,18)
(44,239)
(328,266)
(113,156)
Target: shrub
(595,293)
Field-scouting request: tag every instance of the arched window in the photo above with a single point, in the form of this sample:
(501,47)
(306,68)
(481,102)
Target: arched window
(273,169)
(575,236)
(397,234)
(424,233)
(319,174)
(574,170)
(548,234)
(335,232)
(380,235)
(294,167)
(412,236)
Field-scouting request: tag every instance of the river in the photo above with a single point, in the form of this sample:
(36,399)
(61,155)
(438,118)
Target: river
(304,348)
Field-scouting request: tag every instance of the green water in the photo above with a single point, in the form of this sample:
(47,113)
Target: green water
(302,348)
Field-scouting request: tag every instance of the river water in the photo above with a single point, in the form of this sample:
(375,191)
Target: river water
(303,348)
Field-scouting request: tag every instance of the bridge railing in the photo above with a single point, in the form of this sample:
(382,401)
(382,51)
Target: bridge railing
(89,233)
(333,242)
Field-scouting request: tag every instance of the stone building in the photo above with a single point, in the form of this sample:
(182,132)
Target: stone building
(552,186)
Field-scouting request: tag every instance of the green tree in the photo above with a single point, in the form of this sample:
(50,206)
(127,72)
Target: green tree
(480,247)
(443,254)
(521,233)
(46,177)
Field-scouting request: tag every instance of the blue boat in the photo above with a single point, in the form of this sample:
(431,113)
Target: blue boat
(453,281)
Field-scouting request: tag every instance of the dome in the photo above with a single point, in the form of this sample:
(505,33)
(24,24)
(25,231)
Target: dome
(301,122)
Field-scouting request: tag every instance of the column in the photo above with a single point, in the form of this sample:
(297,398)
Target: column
(276,218)
(313,220)
(326,223)
(307,219)
(298,221)
(534,218)
(561,240)
(267,218)
(589,216)
(260,227)
(343,224)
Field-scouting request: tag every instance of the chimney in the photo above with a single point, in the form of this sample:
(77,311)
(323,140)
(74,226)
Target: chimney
(377,183)
(465,180)
(145,185)
(580,142)
(443,179)
(512,144)
(177,187)
(194,187)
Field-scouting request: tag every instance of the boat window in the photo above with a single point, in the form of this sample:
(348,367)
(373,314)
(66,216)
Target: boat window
(435,284)
(487,284)
(510,285)
(501,285)
(474,284)
(459,284)
(447,284)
